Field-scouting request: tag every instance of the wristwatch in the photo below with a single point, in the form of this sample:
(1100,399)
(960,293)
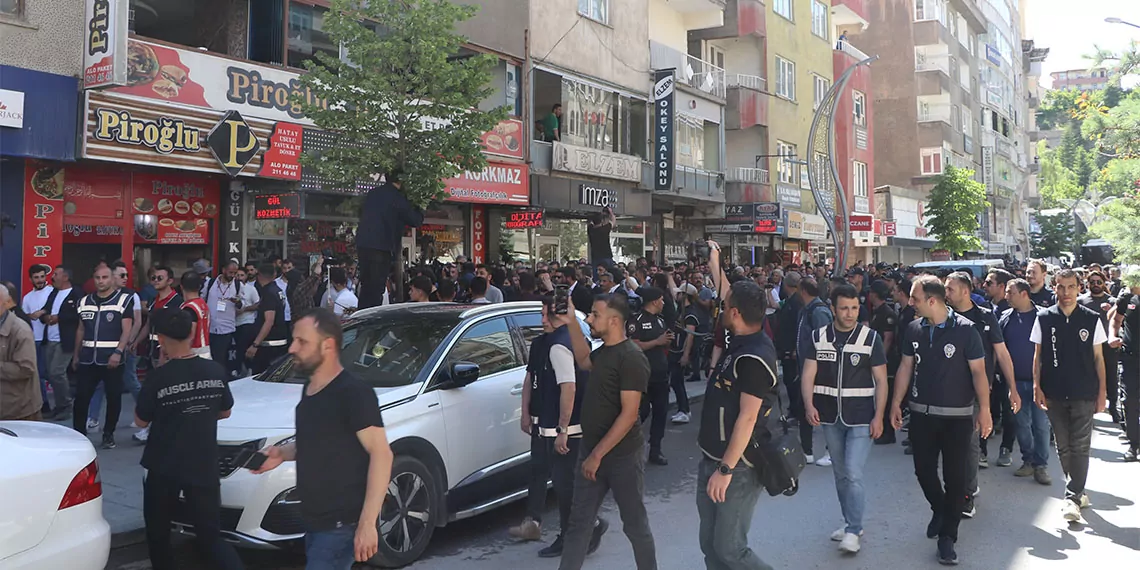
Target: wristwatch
(559,430)
(723,469)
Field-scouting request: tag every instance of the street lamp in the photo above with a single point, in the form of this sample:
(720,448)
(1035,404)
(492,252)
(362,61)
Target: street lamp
(1115,20)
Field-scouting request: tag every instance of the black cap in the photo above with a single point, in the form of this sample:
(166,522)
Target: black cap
(649,294)
(855,271)
(881,289)
(172,323)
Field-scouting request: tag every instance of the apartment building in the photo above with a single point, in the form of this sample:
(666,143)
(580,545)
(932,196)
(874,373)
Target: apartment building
(927,102)
(1093,79)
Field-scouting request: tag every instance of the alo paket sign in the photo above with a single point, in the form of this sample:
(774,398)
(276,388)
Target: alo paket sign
(524,220)
(105,45)
(663,90)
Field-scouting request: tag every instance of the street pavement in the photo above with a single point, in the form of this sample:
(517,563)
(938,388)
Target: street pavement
(1018,525)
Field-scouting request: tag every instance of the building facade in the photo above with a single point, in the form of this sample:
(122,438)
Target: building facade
(1094,79)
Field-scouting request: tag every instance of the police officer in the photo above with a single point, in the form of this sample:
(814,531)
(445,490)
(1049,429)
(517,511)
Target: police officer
(647,329)
(272,340)
(945,354)
(844,385)
(552,398)
(1126,327)
(1068,382)
(106,318)
(901,294)
(884,319)
(1099,300)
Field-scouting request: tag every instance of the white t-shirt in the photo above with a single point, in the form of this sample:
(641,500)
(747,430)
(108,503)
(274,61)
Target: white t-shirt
(344,300)
(562,360)
(34,301)
(249,297)
(285,298)
(53,330)
(1099,336)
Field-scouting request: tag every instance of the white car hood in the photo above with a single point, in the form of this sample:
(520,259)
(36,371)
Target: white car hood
(270,405)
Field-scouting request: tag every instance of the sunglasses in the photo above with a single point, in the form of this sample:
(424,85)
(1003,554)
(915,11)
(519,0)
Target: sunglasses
(1096,282)
(158,278)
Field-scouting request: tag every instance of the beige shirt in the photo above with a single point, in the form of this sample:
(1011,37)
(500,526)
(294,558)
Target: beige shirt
(19,378)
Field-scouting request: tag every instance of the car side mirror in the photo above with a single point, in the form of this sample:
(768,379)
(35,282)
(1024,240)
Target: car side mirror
(459,374)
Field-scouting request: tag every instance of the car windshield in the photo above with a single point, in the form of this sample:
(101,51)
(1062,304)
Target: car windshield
(385,353)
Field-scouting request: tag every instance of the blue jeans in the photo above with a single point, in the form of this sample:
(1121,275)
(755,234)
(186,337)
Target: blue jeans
(723,531)
(849,447)
(1032,428)
(330,549)
(42,367)
(130,384)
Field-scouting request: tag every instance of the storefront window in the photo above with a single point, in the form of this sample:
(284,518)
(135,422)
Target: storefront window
(588,115)
(310,240)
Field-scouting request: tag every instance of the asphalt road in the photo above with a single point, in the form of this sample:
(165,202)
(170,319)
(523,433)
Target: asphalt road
(1018,525)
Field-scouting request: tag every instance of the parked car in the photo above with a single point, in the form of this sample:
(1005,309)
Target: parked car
(52,499)
(448,378)
(979,267)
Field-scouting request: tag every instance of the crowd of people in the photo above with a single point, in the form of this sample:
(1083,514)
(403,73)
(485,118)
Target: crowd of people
(949,358)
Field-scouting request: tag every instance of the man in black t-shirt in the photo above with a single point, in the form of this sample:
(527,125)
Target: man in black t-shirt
(1098,299)
(182,402)
(649,332)
(343,459)
(272,340)
(884,319)
(1037,274)
(598,234)
(1126,328)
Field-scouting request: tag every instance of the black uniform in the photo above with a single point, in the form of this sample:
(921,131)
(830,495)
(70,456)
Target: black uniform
(884,320)
(646,327)
(1043,298)
(1129,306)
(942,399)
(1111,355)
(276,344)
(104,319)
(986,323)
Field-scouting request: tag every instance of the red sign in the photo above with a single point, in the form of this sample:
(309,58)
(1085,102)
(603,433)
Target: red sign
(940,255)
(862,223)
(174,195)
(282,158)
(82,233)
(890,229)
(276,206)
(524,220)
(499,183)
(506,139)
(43,217)
(478,234)
(766,227)
(94,193)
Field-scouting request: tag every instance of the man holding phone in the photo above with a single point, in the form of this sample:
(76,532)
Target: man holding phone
(183,399)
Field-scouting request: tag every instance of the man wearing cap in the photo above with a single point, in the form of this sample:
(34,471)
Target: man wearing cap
(203,268)
(649,332)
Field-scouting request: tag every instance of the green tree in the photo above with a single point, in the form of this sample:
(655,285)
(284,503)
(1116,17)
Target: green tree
(956,201)
(1118,226)
(1118,178)
(1115,132)
(1085,168)
(1071,146)
(1057,109)
(1055,234)
(401,98)
(1055,182)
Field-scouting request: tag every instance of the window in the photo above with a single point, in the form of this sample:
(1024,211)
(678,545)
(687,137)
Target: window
(963,32)
(820,85)
(716,56)
(819,19)
(964,76)
(931,161)
(690,133)
(588,115)
(487,344)
(787,168)
(929,10)
(12,8)
(307,35)
(595,10)
(784,8)
(859,108)
(785,79)
(530,325)
(860,172)
(955,116)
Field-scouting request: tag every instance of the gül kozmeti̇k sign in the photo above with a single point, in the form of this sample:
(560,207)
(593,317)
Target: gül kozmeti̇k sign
(663,88)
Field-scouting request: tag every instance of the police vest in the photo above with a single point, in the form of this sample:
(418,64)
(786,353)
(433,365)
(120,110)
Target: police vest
(1068,367)
(102,326)
(943,384)
(844,387)
(546,394)
(722,399)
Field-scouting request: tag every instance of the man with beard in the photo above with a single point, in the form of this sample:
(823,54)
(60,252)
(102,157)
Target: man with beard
(1126,326)
(995,285)
(1099,300)
(343,459)
(272,337)
(1037,274)
(33,306)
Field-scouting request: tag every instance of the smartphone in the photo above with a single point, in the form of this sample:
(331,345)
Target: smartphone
(250,459)
(561,299)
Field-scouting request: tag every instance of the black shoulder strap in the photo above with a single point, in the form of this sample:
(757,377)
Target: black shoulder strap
(50,301)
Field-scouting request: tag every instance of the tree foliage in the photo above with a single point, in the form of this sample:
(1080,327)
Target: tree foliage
(1119,225)
(1055,182)
(956,201)
(401,98)
(1054,235)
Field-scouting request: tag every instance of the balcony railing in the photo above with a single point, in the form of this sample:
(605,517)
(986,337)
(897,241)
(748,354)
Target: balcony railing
(752,82)
(692,71)
(931,112)
(747,175)
(932,62)
(846,47)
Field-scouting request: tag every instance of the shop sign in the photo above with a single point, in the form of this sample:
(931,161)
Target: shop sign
(814,227)
(739,213)
(93,193)
(729,228)
(862,223)
(478,234)
(524,220)
(988,168)
(235,204)
(11,109)
(890,229)
(993,55)
(164,135)
(597,196)
(276,206)
(93,234)
(505,139)
(497,184)
(794,224)
(168,231)
(862,205)
(594,162)
(767,217)
(805,179)
(43,216)
(860,137)
(663,95)
(789,196)
(105,44)
(282,160)
(233,143)
(940,255)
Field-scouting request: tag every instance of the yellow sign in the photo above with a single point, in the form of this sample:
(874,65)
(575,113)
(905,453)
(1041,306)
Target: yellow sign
(165,135)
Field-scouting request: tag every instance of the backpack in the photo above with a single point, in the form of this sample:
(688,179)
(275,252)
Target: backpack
(205,292)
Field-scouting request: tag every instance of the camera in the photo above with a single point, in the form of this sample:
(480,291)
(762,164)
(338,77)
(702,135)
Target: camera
(699,250)
(561,299)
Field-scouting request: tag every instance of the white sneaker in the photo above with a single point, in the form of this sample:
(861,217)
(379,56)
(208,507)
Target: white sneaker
(850,543)
(1085,503)
(141,435)
(809,459)
(824,461)
(92,424)
(681,418)
(1071,511)
(840,533)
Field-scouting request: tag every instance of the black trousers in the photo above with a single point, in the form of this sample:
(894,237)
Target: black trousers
(90,375)
(203,507)
(375,267)
(243,338)
(1112,358)
(932,437)
(656,400)
(625,476)
(1001,410)
(1131,384)
(220,352)
(677,382)
(791,370)
(546,464)
(266,355)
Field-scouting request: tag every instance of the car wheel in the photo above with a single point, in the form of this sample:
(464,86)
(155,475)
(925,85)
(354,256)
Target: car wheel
(408,517)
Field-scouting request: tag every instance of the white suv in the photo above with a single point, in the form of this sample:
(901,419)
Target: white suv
(448,378)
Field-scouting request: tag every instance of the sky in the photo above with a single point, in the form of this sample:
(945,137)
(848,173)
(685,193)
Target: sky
(1069,28)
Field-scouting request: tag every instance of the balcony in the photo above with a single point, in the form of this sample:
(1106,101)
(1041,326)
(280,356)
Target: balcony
(694,6)
(741,18)
(693,185)
(846,47)
(692,72)
(747,104)
(924,61)
(1003,147)
(935,112)
(747,175)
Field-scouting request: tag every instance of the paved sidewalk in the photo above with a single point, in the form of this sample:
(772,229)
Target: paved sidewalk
(123,476)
